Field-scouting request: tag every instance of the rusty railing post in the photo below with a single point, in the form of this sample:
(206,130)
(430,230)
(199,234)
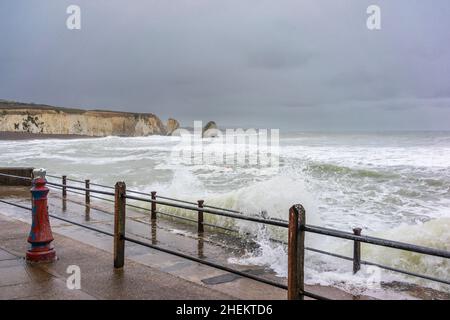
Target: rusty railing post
(154,236)
(119,224)
(87,192)
(296,253)
(200,217)
(356,251)
(153,193)
(64,189)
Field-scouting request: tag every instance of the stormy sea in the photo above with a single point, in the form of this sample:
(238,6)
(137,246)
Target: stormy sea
(392,185)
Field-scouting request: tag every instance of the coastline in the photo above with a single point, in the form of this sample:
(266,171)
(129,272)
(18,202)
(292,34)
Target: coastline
(32,118)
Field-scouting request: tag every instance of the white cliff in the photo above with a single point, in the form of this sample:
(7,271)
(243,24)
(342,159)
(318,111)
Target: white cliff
(31,118)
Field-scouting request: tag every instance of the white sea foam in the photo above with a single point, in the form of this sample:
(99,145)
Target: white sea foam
(392,185)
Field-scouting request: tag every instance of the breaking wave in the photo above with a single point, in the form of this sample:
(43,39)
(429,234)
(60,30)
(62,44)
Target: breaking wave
(393,186)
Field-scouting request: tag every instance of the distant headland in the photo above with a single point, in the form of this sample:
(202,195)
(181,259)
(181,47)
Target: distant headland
(46,120)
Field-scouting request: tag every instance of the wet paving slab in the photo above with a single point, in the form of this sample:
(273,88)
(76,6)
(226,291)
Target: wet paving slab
(19,280)
(99,280)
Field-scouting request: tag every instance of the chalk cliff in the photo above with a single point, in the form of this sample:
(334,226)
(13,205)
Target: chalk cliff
(33,118)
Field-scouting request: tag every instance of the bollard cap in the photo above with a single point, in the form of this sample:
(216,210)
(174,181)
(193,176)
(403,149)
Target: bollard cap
(39,173)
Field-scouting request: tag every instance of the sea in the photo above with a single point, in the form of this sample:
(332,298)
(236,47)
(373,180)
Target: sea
(393,185)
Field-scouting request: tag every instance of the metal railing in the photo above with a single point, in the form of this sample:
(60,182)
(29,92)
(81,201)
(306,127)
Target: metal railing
(297,228)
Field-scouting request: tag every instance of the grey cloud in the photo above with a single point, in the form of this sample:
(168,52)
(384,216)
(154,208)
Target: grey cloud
(289,64)
(275,59)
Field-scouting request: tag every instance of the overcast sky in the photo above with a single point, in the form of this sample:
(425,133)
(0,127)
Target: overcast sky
(300,64)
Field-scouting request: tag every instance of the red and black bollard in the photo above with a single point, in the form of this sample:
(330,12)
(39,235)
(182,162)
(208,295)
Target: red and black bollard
(40,235)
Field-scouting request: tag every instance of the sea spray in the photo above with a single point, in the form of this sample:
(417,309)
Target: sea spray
(392,185)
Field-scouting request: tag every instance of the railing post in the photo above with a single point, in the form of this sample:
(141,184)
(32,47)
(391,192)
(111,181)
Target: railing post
(87,193)
(296,252)
(153,205)
(64,189)
(200,217)
(154,236)
(119,224)
(356,251)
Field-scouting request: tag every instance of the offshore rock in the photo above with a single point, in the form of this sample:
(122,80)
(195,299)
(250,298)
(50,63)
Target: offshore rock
(210,130)
(171,126)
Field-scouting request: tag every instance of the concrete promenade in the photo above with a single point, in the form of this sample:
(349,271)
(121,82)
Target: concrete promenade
(99,280)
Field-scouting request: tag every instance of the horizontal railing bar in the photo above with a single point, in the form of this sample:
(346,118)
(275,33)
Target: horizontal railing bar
(82,194)
(220,227)
(177,200)
(166,198)
(147,209)
(206,262)
(374,264)
(163,213)
(175,216)
(181,201)
(15,205)
(315,296)
(80,181)
(101,185)
(60,185)
(224,209)
(405,272)
(184,218)
(378,241)
(211,211)
(148,194)
(206,206)
(82,225)
(194,203)
(189,202)
(157,196)
(328,253)
(195,221)
(82,189)
(380,266)
(95,197)
(53,176)
(67,178)
(112,194)
(62,219)
(160,212)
